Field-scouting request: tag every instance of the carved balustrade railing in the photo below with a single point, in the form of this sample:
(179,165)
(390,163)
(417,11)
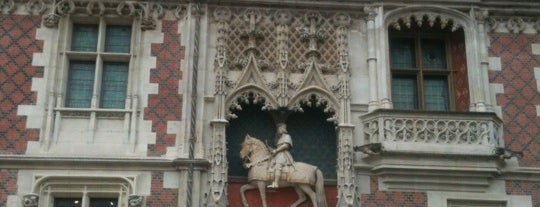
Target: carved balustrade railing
(444,132)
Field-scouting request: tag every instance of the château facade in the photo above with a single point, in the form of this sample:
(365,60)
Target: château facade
(426,103)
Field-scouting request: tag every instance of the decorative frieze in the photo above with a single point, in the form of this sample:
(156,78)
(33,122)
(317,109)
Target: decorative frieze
(431,18)
(514,24)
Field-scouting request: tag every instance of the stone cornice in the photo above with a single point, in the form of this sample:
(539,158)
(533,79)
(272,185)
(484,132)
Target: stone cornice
(99,163)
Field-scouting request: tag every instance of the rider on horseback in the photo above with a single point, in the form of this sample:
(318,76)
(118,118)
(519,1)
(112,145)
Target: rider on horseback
(281,155)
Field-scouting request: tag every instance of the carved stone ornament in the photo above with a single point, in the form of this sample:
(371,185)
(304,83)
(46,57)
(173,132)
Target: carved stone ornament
(135,200)
(65,7)
(7,6)
(51,20)
(406,20)
(36,6)
(30,200)
(514,24)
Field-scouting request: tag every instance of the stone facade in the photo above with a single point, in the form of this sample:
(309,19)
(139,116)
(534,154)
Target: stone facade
(194,65)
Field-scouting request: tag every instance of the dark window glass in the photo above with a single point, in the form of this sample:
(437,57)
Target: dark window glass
(433,54)
(67,202)
(402,53)
(80,84)
(103,202)
(436,93)
(405,92)
(84,38)
(114,85)
(118,39)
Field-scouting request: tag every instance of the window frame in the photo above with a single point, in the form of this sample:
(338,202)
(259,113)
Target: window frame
(99,57)
(83,187)
(419,71)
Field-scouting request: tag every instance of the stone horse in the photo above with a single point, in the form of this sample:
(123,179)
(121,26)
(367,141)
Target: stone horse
(304,178)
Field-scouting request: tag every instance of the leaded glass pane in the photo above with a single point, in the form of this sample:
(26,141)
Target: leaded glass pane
(314,140)
(436,94)
(433,54)
(80,84)
(84,37)
(114,85)
(67,202)
(103,202)
(404,92)
(402,53)
(118,39)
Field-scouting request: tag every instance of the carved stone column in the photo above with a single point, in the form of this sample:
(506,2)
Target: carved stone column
(484,103)
(218,174)
(372,58)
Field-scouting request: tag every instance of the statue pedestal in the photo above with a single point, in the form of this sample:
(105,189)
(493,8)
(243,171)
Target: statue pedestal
(275,197)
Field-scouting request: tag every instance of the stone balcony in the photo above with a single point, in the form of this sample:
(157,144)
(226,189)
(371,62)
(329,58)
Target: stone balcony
(447,151)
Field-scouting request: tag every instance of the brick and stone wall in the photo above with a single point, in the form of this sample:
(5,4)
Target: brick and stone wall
(17,45)
(392,198)
(528,188)
(521,95)
(166,105)
(161,196)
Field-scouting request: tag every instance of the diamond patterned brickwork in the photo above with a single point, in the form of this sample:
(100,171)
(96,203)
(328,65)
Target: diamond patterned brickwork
(17,45)
(8,185)
(459,65)
(521,123)
(524,188)
(392,198)
(158,195)
(167,104)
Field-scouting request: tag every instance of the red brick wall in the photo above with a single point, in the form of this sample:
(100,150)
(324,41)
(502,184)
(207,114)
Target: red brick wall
(161,197)
(460,77)
(524,188)
(275,198)
(521,123)
(392,198)
(17,45)
(8,185)
(167,104)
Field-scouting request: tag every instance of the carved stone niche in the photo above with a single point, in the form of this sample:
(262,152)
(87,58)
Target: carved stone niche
(422,151)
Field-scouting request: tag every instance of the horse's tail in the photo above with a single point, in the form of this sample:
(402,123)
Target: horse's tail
(319,189)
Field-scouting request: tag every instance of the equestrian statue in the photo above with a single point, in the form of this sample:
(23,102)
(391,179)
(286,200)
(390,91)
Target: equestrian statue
(275,168)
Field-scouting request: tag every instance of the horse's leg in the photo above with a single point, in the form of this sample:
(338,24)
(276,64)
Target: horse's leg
(262,191)
(306,188)
(243,190)
(301,196)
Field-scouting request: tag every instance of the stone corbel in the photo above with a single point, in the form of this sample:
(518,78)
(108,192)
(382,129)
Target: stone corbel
(30,200)
(135,200)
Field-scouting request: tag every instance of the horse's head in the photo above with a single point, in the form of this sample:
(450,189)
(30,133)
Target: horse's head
(251,145)
(247,147)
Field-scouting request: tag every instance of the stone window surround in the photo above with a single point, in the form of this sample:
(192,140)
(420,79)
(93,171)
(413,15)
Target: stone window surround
(58,83)
(84,187)
(440,199)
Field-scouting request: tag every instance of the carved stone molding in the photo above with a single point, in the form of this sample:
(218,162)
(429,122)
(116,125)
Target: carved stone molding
(148,11)
(514,24)
(431,18)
